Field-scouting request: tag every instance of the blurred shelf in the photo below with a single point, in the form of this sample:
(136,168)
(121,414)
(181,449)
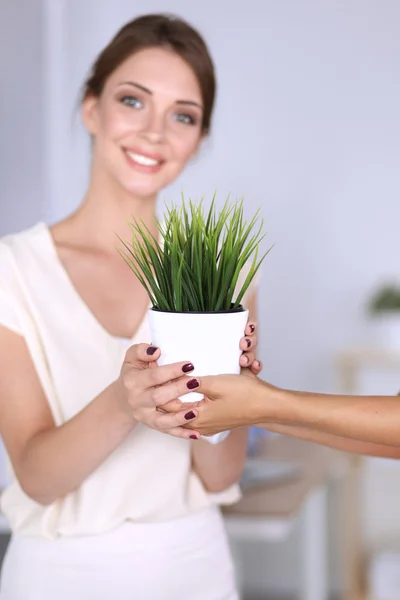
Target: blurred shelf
(294,493)
(351,363)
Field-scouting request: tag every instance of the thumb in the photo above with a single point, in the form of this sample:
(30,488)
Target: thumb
(214,387)
(140,356)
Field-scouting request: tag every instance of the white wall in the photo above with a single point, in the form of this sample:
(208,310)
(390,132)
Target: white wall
(306,126)
(22,197)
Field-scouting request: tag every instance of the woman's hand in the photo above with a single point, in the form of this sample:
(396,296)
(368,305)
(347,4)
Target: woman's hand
(250,366)
(229,401)
(144,389)
(249,345)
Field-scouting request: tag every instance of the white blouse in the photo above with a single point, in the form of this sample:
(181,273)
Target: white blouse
(148,478)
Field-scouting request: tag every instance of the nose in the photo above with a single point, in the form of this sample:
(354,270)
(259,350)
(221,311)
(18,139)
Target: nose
(154,128)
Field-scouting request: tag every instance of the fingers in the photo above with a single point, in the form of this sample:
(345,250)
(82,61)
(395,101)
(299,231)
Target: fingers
(164,374)
(162,395)
(140,355)
(185,434)
(256,367)
(247,343)
(171,421)
(247,359)
(250,328)
(176,405)
(171,406)
(212,385)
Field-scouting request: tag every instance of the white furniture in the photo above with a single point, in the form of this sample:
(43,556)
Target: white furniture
(366,370)
(269,513)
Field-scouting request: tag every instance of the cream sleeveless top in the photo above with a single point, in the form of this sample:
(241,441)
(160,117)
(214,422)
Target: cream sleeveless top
(148,478)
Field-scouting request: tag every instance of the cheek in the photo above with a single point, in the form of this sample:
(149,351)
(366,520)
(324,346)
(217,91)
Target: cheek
(186,146)
(114,123)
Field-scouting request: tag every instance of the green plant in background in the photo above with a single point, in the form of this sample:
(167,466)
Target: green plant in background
(385,299)
(196,263)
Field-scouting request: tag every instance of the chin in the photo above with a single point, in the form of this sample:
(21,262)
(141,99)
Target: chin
(142,191)
(146,187)
(139,187)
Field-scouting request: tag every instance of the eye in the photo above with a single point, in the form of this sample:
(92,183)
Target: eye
(131,101)
(184,118)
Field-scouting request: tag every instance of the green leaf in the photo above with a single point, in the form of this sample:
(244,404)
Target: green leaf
(195,262)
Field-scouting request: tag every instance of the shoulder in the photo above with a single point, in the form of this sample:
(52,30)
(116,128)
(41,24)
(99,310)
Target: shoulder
(12,241)
(19,246)
(18,255)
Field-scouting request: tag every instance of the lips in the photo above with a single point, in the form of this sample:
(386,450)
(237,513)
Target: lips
(144,161)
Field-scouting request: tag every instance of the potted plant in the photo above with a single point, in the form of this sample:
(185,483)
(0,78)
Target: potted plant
(384,308)
(196,274)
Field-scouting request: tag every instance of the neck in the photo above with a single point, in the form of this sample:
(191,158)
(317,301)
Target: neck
(104,213)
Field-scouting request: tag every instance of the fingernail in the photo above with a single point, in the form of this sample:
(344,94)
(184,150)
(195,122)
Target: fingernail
(193,437)
(187,368)
(248,342)
(252,328)
(151,350)
(190,415)
(192,384)
(246,358)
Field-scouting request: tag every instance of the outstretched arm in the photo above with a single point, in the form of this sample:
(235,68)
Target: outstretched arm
(361,424)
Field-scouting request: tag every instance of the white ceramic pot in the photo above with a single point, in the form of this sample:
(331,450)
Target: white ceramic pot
(208,340)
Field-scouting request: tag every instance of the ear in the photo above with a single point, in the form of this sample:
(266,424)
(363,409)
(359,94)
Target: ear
(90,113)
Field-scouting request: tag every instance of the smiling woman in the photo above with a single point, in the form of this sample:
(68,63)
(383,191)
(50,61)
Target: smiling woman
(152,110)
(102,498)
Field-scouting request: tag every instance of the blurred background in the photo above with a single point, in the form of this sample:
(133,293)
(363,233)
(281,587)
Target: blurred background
(306,127)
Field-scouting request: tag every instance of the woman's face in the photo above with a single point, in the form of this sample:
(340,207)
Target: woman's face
(147,123)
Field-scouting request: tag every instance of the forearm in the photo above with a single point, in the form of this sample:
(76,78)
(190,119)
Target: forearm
(220,465)
(58,460)
(370,419)
(334,441)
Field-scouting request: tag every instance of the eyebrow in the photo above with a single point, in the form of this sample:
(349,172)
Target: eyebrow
(147,91)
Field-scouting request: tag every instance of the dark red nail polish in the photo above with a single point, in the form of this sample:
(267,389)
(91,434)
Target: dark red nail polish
(151,350)
(248,342)
(193,437)
(187,368)
(190,415)
(252,328)
(192,384)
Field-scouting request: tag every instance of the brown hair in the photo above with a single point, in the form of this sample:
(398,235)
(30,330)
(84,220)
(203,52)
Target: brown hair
(157,30)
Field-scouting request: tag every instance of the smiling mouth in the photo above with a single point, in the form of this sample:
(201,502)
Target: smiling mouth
(145,161)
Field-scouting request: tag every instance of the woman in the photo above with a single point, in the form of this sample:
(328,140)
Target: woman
(368,425)
(102,503)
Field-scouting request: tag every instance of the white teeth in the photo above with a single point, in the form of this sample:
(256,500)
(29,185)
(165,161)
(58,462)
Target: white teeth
(143,160)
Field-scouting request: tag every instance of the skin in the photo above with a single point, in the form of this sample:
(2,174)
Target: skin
(158,113)
(367,425)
